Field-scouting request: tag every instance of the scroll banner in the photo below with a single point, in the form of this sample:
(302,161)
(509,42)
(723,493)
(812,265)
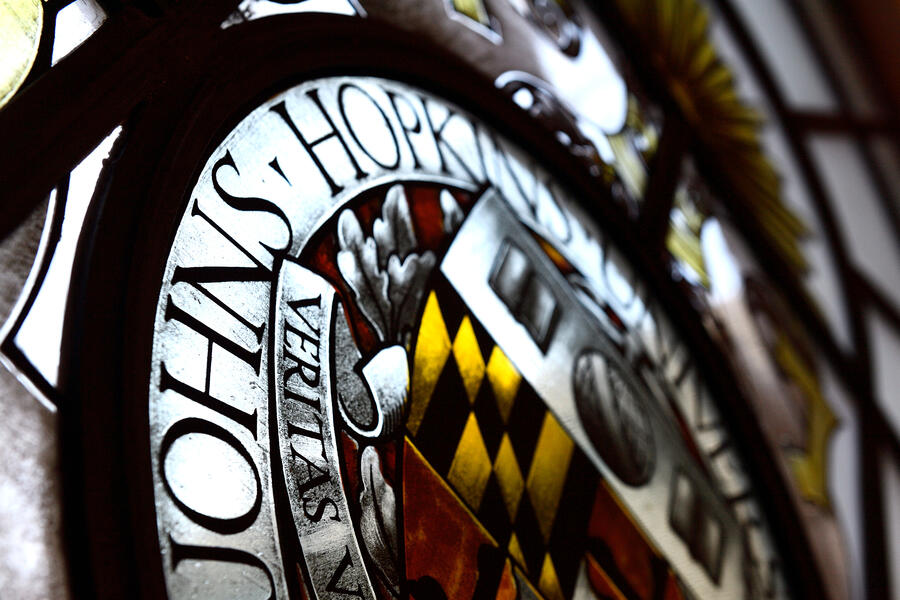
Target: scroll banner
(305,310)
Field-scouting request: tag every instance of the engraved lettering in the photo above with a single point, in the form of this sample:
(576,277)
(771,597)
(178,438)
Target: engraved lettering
(407,128)
(334,582)
(281,110)
(249,203)
(442,144)
(203,397)
(341,105)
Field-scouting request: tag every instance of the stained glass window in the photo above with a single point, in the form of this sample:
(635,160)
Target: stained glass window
(449,299)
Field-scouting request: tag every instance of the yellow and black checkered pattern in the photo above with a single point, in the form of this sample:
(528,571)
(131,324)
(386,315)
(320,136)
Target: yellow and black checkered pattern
(485,430)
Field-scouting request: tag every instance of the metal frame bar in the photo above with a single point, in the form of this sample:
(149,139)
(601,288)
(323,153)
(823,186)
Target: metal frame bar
(892,211)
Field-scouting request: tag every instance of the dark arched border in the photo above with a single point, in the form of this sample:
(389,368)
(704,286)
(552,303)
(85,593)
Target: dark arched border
(109,510)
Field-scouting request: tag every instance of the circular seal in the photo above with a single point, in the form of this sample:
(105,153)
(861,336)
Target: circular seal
(368,325)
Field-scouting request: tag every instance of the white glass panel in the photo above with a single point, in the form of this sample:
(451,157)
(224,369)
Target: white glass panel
(867,232)
(793,65)
(250,10)
(74,24)
(822,281)
(32,549)
(40,336)
(885,346)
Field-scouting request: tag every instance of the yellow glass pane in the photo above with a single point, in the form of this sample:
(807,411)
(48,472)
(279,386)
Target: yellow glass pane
(20,34)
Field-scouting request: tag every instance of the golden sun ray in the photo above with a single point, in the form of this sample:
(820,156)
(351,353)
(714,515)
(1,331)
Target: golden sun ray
(676,36)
